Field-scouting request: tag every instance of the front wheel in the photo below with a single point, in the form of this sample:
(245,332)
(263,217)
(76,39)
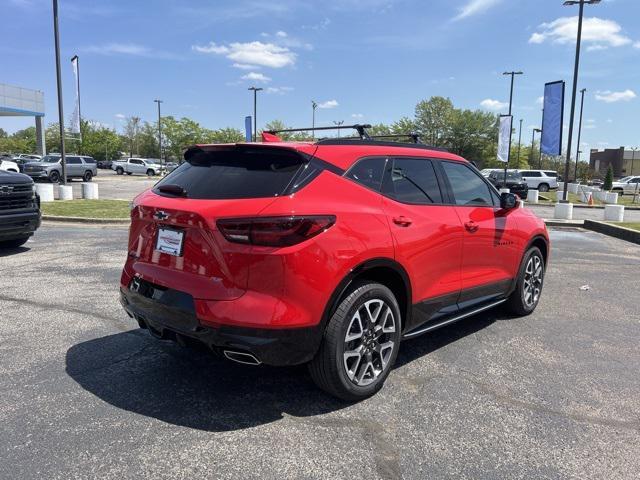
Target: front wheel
(526,295)
(360,343)
(543,187)
(150,173)
(87,176)
(54,177)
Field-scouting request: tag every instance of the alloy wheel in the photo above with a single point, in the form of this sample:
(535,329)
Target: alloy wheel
(369,342)
(532,284)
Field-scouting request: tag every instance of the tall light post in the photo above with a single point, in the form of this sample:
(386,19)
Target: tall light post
(255,111)
(337,123)
(633,158)
(512,75)
(575,173)
(159,132)
(576,69)
(56,34)
(533,142)
(314,105)
(519,143)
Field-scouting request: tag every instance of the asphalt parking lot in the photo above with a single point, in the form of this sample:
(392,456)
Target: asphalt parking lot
(85,394)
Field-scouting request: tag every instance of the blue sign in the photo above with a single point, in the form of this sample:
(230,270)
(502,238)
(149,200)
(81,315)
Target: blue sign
(247,128)
(552,118)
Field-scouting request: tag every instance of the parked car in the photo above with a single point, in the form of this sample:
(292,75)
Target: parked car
(487,171)
(105,164)
(514,183)
(326,253)
(29,156)
(50,168)
(627,185)
(19,209)
(8,165)
(142,166)
(540,180)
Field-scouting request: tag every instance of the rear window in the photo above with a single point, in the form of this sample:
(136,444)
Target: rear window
(236,174)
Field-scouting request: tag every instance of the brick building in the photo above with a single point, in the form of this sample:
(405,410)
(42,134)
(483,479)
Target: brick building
(622,161)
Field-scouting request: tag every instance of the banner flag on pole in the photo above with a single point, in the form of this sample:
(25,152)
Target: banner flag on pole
(504,139)
(75,116)
(247,129)
(552,118)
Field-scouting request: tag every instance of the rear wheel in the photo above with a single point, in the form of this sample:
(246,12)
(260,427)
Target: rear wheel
(526,295)
(87,176)
(360,343)
(119,170)
(15,243)
(543,187)
(150,173)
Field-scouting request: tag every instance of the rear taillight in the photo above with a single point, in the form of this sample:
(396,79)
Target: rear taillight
(274,231)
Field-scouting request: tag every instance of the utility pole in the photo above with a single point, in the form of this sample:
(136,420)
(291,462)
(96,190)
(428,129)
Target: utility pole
(533,142)
(576,69)
(255,111)
(337,123)
(159,133)
(519,143)
(633,158)
(56,34)
(314,105)
(506,165)
(575,173)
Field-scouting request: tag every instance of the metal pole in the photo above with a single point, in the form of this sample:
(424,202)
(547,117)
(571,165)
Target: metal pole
(63,158)
(633,157)
(159,133)
(575,176)
(506,165)
(533,140)
(255,115)
(519,143)
(313,119)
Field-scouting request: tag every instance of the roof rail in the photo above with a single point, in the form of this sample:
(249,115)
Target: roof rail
(361,129)
(414,137)
(377,143)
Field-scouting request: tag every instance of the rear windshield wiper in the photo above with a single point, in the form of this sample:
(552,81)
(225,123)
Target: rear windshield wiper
(173,189)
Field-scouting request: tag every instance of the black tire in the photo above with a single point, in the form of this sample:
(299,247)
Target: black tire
(150,173)
(15,243)
(119,170)
(519,302)
(543,187)
(54,177)
(329,366)
(88,175)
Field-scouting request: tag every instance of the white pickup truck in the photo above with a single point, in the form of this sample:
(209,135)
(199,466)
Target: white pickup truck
(141,166)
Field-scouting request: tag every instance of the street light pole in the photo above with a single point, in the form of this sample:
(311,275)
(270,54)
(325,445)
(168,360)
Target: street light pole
(337,123)
(533,142)
(314,105)
(56,34)
(633,157)
(159,132)
(576,69)
(506,165)
(519,143)
(255,111)
(575,173)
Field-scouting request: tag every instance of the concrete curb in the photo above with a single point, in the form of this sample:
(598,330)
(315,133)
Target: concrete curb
(117,221)
(577,205)
(554,222)
(622,233)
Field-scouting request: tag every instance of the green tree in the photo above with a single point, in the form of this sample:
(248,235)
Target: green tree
(224,135)
(608,179)
(432,119)
(3,133)
(467,132)
(131,134)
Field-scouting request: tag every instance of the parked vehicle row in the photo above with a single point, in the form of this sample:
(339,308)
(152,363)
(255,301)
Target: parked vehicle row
(50,168)
(140,166)
(541,180)
(514,182)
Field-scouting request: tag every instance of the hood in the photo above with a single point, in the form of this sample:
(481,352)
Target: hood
(11,178)
(41,164)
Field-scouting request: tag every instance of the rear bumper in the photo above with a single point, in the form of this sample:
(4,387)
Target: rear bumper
(19,224)
(171,314)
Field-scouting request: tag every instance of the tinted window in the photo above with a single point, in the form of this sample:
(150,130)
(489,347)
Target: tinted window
(468,187)
(531,174)
(74,160)
(89,160)
(411,180)
(236,174)
(136,162)
(551,174)
(368,172)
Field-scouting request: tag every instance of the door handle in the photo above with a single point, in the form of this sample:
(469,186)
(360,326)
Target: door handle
(402,221)
(471,226)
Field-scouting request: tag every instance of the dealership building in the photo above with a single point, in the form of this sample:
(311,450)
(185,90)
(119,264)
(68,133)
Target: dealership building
(624,162)
(24,102)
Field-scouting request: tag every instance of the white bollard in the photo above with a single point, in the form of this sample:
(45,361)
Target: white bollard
(45,190)
(532,196)
(573,188)
(614,213)
(563,211)
(90,191)
(584,196)
(65,192)
(560,194)
(611,198)
(600,195)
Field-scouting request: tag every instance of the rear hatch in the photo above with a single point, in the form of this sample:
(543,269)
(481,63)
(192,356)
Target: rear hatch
(174,240)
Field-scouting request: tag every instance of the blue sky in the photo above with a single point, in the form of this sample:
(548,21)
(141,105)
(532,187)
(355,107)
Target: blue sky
(361,60)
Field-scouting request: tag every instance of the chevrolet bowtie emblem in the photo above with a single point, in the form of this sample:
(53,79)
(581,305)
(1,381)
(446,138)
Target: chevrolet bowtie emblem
(5,189)
(160,215)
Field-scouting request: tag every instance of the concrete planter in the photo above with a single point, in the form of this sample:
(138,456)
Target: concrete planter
(45,190)
(563,211)
(614,213)
(611,198)
(532,196)
(600,195)
(90,191)
(65,192)
(573,188)
(585,196)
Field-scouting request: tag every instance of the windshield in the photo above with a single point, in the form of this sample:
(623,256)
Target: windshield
(511,176)
(624,179)
(51,159)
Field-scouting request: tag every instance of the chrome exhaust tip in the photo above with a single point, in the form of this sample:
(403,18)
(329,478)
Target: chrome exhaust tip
(241,357)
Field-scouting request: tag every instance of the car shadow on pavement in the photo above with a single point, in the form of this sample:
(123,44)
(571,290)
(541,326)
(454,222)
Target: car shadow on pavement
(13,251)
(193,388)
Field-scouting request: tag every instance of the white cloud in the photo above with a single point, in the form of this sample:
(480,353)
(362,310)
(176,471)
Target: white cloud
(357,115)
(252,53)
(279,90)
(120,48)
(120,116)
(256,77)
(493,105)
(611,97)
(636,45)
(243,66)
(328,104)
(474,7)
(540,100)
(281,34)
(597,33)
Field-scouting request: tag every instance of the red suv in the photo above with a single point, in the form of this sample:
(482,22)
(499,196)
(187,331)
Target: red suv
(327,253)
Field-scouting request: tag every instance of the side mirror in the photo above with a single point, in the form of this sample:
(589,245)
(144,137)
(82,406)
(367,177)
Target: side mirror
(508,201)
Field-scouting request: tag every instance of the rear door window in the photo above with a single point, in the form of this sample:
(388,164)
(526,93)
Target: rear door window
(411,180)
(234,174)
(73,160)
(468,187)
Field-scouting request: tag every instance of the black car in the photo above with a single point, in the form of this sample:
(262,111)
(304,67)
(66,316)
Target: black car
(514,182)
(104,164)
(19,209)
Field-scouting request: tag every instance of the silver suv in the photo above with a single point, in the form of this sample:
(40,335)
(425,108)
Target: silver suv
(50,168)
